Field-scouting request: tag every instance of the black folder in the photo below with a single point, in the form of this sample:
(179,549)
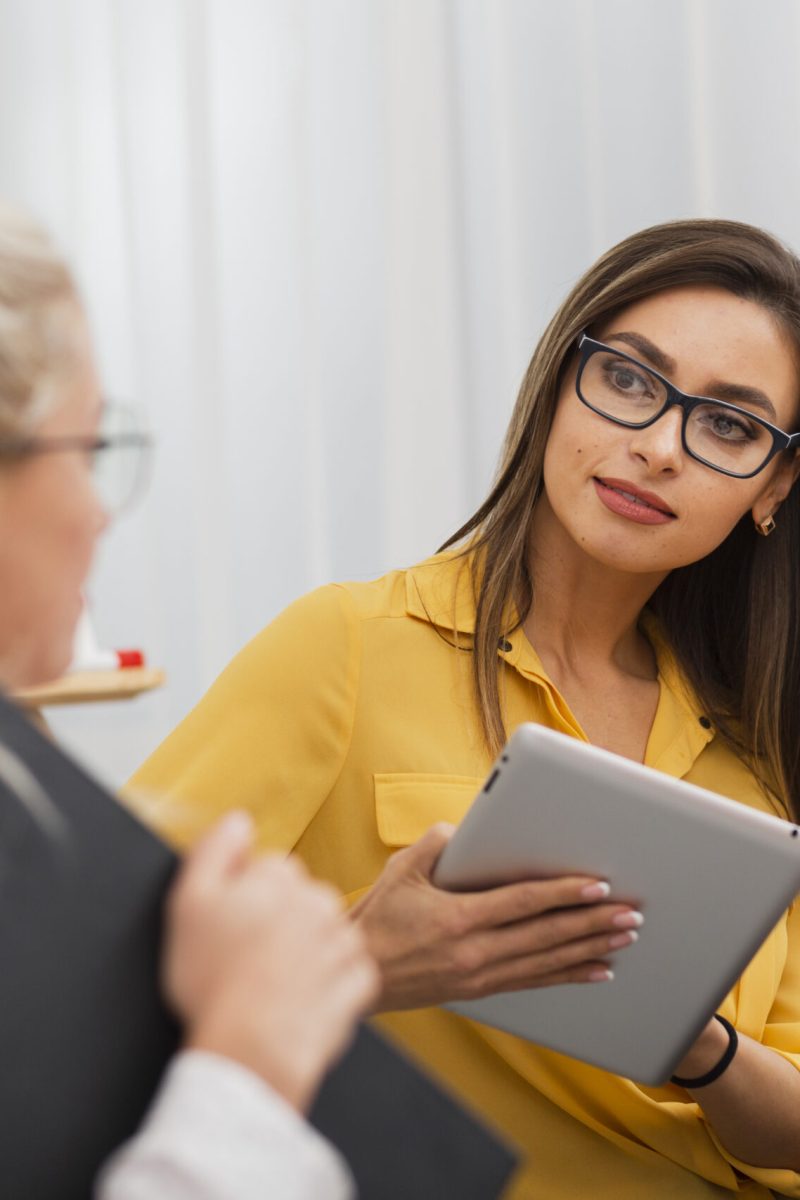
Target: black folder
(404,1137)
(84,1035)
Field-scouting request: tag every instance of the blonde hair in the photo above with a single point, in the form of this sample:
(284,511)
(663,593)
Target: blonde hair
(41,326)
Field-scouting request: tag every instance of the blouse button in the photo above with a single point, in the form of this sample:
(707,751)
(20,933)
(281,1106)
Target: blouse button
(505,645)
(704,721)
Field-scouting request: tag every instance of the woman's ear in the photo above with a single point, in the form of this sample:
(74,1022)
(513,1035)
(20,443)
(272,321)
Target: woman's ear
(776,491)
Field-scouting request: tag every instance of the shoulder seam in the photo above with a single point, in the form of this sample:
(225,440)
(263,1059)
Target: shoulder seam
(344,587)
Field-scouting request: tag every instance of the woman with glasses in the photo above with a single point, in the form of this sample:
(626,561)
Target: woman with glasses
(265,973)
(632,579)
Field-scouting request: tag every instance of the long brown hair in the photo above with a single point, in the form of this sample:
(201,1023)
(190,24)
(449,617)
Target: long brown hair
(732,619)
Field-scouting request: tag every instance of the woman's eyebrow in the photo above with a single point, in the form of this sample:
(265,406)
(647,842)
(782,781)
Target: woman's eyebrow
(643,345)
(734,393)
(738,393)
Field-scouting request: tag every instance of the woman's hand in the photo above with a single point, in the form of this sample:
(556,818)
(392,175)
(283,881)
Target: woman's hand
(261,964)
(433,946)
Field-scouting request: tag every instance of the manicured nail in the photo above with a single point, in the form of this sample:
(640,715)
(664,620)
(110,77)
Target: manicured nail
(596,891)
(628,920)
(623,939)
(601,975)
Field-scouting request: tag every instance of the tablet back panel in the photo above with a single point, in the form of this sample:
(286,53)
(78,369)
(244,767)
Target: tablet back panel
(711,876)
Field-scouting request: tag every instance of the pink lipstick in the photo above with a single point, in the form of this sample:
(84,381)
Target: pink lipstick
(627,500)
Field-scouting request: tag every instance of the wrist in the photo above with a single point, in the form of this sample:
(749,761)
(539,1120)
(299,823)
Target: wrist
(709,1057)
(224,1029)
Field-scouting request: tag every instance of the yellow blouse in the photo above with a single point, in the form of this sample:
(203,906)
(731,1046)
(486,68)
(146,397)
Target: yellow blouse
(347,728)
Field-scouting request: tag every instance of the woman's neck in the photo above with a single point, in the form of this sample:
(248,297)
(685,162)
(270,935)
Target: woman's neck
(585,615)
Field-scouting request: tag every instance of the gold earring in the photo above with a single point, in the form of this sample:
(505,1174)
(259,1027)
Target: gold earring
(766,527)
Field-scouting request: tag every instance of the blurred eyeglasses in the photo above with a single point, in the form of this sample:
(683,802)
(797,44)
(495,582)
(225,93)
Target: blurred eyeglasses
(720,435)
(119,454)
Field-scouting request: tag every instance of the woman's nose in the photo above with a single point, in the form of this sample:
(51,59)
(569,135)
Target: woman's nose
(660,445)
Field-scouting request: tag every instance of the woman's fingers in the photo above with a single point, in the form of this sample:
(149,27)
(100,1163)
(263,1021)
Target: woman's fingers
(434,945)
(530,952)
(482,970)
(518,901)
(563,926)
(592,971)
(421,857)
(222,851)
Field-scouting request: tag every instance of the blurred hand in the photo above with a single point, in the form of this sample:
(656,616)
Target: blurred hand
(433,946)
(261,964)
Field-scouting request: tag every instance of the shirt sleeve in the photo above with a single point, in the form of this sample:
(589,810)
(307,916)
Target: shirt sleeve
(782,1034)
(271,734)
(216,1130)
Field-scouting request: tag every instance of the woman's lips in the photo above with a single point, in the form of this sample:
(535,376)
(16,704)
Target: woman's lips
(628,501)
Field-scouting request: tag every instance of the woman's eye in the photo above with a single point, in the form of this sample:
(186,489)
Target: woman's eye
(628,380)
(729,426)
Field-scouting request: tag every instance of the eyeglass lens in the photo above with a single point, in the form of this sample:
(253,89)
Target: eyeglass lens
(626,391)
(120,468)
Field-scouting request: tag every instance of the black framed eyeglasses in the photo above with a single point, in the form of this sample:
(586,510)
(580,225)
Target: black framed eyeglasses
(119,455)
(720,435)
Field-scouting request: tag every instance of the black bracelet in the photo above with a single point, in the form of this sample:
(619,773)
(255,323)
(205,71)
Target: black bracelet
(722,1065)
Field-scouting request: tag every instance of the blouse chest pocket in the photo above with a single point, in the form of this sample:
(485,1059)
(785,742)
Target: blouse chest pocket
(406,805)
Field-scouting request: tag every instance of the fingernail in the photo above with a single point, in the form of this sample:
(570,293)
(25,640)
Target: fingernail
(601,975)
(623,939)
(628,920)
(596,891)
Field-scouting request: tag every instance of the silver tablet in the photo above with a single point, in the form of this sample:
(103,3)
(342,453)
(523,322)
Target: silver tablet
(711,876)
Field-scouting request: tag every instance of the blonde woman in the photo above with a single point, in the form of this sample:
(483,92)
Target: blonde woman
(265,973)
(633,579)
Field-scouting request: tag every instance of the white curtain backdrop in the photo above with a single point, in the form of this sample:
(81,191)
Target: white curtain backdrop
(318,240)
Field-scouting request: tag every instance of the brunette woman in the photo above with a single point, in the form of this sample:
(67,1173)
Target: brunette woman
(633,579)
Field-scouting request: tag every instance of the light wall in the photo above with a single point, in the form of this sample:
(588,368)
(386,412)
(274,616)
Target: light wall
(319,239)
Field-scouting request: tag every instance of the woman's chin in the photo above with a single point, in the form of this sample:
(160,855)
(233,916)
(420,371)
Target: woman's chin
(42,668)
(42,650)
